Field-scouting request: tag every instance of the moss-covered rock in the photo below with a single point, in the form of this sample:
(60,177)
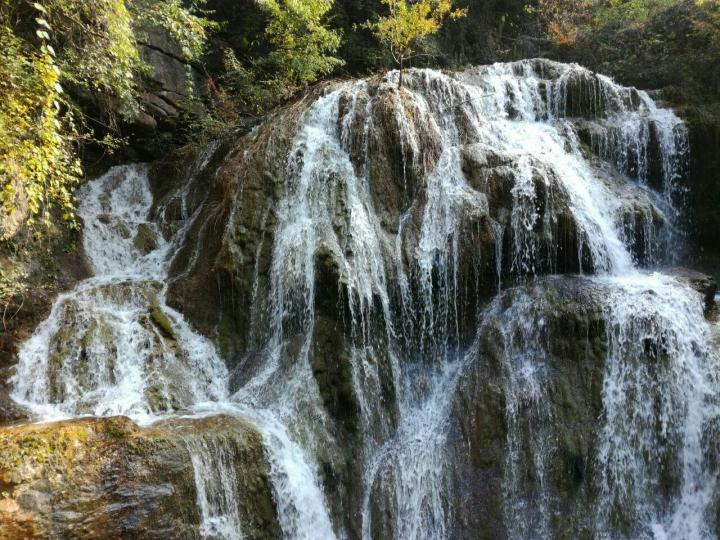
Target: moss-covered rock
(108,478)
(162,321)
(145,240)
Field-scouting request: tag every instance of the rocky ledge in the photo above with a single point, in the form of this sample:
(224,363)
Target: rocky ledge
(110,478)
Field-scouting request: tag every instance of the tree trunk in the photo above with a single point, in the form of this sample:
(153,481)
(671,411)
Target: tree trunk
(400,81)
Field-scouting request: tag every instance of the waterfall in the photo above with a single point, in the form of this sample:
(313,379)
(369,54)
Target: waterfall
(217,493)
(660,395)
(112,345)
(410,210)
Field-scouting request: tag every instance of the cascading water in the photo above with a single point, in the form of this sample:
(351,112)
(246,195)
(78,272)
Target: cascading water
(112,345)
(405,198)
(660,395)
(217,496)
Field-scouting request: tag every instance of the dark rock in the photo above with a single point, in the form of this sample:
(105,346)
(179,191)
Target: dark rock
(145,240)
(703,184)
(702,283)
(145,124)
(166,59)
(159,104)
(171,98)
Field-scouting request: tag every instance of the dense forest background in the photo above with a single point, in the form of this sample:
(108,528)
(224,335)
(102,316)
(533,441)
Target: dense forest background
(89,83)
(85,68)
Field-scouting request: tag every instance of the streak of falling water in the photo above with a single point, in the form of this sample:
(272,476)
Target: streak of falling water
(319,173)
(412,468)
(661,395)
(213,461)
(529,419)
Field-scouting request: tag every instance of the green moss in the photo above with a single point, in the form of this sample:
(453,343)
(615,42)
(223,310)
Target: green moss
(55,449)
(162,321)
(156,398)
(115,430)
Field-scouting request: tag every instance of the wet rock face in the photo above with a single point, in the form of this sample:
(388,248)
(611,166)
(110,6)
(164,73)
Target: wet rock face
(706,285)
(109,479)
(225,263)
(703,184)
(541,348)
(514,218)
(364,224)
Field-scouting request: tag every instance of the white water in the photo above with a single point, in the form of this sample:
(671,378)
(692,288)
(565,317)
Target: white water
(405,314)
(213,462)
(660,396)
(528,505)
(110,357)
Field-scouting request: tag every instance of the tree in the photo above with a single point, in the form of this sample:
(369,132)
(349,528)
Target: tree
(408,22)
(303,45)
(302,49)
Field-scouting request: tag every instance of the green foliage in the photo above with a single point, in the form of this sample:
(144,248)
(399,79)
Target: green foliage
(621,11)
(97,41)
(242,81)
(408,22)
(182,19)
(96,47)
(569,20)
(90,47)
(13,283)
(302,45)
(37,165)
(302,49)
(708,27)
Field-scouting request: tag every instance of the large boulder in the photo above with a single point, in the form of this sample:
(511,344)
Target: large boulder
(108,478)
(562,369)
(535,382)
